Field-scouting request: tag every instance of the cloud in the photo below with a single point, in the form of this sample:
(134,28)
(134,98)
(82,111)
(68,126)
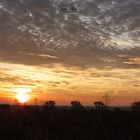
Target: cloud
(44,56)
(136,85)
(133,60)
(9,79)
(95,35)
(57,81)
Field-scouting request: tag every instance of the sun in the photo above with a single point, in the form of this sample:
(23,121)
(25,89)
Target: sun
(22,95)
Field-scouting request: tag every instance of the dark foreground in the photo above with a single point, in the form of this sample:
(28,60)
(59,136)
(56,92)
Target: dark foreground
(34,123)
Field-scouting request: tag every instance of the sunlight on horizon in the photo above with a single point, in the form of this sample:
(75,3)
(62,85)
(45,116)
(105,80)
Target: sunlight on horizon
(22,94)
(62,84)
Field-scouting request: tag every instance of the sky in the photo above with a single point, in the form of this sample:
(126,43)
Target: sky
(66,50)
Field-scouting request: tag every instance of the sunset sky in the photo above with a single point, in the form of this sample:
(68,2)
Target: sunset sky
(57,52)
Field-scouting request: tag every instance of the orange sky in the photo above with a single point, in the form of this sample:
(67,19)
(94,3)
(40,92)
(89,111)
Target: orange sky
(66,84)
(67,50)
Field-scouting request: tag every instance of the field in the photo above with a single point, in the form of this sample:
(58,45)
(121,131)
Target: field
(42,123)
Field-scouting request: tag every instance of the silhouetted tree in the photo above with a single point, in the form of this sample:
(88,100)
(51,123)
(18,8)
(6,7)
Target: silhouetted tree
(99,105)
(50,105)
(76,105)
(136,106)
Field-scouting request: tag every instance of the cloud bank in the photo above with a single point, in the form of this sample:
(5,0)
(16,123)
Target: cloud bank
(83,33)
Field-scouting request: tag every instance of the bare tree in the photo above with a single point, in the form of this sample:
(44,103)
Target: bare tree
(106,99)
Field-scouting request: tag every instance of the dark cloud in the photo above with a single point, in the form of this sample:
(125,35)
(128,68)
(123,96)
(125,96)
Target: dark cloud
(94,34)
(136,85)
(6,78)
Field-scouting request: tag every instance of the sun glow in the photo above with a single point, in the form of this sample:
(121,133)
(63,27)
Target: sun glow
(22,95)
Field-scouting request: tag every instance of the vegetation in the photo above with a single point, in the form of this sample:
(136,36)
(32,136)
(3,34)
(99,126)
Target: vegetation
(49,122)
(99,105)
(136,106)
(50,105)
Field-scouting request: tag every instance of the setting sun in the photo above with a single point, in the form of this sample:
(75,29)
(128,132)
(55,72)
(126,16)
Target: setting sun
(22,95)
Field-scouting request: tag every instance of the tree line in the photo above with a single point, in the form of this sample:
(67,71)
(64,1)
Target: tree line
(26,122)
(98,105)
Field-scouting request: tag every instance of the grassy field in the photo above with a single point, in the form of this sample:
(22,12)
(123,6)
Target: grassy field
(40,123)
